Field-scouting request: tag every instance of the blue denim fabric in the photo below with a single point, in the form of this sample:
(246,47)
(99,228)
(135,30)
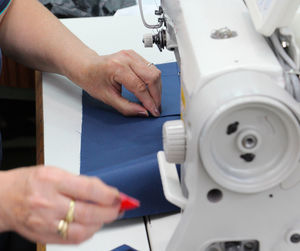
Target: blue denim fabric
(122,150)
(3,5)
(124,248)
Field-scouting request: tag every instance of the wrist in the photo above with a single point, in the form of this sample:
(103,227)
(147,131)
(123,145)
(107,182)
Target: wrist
(80,70)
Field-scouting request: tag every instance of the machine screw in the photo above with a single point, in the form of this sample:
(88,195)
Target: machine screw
(249,141)
(161,20)
(295,238)
(159,11)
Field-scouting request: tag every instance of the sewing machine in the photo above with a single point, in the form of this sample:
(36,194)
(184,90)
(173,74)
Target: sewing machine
(238,141)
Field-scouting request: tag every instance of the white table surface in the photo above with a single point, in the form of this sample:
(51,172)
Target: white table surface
(62,126)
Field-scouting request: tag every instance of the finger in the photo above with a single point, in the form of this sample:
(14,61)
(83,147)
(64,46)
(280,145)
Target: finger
(126,107)
(134,84)
(149,74)
(76,233)
(85,212)
(89,189)
(155,90)
(93,214)
(88,218)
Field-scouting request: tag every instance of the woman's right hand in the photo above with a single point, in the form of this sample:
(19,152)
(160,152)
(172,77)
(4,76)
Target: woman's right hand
(35,199)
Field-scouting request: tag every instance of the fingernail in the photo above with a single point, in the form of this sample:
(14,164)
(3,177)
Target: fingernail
(156,112)
(143,114)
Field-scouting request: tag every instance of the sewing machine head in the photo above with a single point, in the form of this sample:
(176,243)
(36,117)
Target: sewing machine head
(239,137)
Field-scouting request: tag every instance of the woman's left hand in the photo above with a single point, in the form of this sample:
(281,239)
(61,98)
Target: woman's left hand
(103,78)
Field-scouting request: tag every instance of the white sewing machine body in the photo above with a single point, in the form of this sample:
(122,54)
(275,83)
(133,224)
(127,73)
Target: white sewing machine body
(239,139)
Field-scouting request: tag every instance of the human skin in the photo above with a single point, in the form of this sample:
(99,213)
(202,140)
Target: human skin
(35,199)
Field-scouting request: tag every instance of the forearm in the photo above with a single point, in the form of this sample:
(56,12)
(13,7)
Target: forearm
(33,36)
(3,223)
(6,196)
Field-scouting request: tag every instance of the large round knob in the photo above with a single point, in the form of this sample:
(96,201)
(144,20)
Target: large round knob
(250,145)
(148,40)
(174,141)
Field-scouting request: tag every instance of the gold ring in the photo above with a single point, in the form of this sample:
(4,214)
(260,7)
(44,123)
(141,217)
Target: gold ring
(149,64)
(70,213)
(62,229)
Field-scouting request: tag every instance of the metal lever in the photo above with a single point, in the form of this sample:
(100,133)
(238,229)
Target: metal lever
(170,181)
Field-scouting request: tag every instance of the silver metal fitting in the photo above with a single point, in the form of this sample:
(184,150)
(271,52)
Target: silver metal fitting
(223,33)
